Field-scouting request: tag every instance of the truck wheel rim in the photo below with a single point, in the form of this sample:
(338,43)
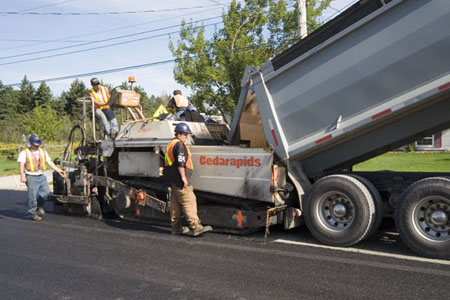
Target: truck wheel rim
(335,211)
(431,218)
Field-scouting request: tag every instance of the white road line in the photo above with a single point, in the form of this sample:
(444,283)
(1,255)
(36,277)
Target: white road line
(368,252)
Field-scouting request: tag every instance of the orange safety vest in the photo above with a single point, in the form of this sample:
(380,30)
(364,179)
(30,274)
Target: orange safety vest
(32,161)
(169,158)
(181,101)
(105,97)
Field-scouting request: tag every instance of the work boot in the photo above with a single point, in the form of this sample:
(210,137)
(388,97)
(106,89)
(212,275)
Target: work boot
(114,135)
(35,218)
(40,211)
(180,230)
(200,229)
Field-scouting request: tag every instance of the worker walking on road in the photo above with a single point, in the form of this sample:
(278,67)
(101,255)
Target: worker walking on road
(179,104)
(100,96)
(177,173)
(32,166)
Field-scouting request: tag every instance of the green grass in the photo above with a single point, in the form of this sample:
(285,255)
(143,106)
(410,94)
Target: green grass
(8,166)
(407,162)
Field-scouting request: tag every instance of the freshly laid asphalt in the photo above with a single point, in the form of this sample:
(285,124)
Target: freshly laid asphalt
(66,257)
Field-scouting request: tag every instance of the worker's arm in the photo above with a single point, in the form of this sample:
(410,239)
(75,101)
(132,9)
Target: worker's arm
(183,176)
(54,167)
(23,178)
(172,105)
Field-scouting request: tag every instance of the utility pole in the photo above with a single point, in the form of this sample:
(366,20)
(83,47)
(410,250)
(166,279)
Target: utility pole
(302,30)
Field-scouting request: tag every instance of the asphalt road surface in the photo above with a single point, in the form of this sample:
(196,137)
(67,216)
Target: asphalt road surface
(65,257)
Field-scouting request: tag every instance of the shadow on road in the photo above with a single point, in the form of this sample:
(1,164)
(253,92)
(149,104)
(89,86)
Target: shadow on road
(137,226)
(13,204)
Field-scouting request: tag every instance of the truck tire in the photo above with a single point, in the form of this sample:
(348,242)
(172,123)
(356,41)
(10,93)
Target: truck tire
(422,217)
(378,201)
(339,210)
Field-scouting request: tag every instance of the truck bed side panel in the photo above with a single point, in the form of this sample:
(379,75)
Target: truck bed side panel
(394,50)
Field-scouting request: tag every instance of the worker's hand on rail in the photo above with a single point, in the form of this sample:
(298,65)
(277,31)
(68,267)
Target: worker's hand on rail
(62,173)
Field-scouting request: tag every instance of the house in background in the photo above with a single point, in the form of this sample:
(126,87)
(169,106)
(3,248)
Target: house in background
(440,141)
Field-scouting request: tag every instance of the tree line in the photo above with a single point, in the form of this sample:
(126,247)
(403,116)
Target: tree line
(36,110)
(253,32)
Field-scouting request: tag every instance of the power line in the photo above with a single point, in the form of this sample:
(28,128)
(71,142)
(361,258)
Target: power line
(28,9)
(42,41)
(98,72)
(104,13)
(104,40)
(100,47)
(115,70)
(102,31)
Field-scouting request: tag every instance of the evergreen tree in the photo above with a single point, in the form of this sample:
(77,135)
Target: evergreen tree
(43,96)
(8,102)
(26,96)
(73,107)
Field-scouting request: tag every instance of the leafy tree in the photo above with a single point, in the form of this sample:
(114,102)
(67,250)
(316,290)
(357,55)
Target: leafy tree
(44,122)
(43,96)
(77,90)
(26,96)
(253,32)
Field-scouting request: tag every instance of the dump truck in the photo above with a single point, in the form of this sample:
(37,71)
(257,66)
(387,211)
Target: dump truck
(374,78)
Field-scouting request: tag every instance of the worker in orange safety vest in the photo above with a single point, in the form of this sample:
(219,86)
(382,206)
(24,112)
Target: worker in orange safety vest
(177,173)
(32,164)
(100,96)
(179,104)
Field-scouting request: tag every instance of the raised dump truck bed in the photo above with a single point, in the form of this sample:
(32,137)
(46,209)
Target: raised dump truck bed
(375,85)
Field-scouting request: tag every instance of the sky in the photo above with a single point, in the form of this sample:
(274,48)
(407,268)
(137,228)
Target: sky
(49,39)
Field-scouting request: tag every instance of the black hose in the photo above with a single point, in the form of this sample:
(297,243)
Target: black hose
(66,150)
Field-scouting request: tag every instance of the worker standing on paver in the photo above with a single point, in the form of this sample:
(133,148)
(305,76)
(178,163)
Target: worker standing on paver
(100,96)
(179,104)
(177,173)
(32,166)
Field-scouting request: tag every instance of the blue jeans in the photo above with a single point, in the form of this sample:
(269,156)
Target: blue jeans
(178,116)
(106,116)
(37,192)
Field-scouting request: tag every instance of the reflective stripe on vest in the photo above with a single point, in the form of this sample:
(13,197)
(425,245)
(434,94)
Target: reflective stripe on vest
(105,96)
(32,161)
(181,101)
(169,158)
